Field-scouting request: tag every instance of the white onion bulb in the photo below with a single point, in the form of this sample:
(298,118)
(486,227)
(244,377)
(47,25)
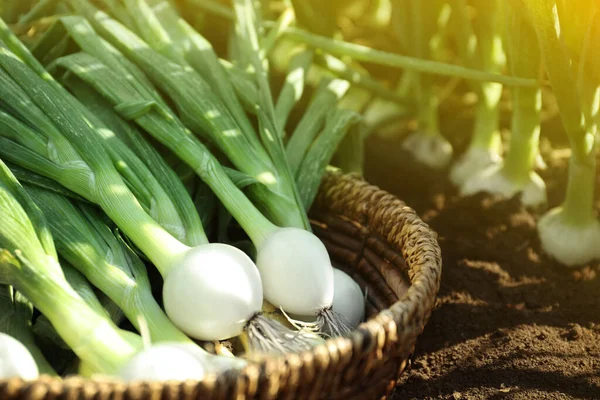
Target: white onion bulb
(15,360)
(163,362)
(213,292)
(296,271)
(212,362)
(348,298)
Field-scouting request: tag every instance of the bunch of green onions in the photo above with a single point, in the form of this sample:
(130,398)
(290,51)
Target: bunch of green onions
(148,235)
(29,263)
(101,153)
(516,174)
(571,232)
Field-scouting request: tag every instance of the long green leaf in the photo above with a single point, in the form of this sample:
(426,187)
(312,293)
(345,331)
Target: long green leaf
(293,87)
(367,54)
(165,176)
(320,153)
(23,225)
(248,25)
(323,102)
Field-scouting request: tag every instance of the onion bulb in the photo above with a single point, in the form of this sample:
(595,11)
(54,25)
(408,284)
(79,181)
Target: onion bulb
(163,362)
(296,271)
(15,360)
(348,298)
(213,292)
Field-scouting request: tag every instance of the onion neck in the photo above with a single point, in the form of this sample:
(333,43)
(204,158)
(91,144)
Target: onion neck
(524,141)
(122,207)
(92,336)
(578,206)
(428,106)
(254,223)
(486,133)
(141,303)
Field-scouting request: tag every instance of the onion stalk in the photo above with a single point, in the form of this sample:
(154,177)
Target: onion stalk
(570,233)
(158,197)
(516,173)
(28,262)
(359,52)
(363,53)
(85,241)
(131,101)
(480,46)
(211,117)
(185,265)
(293,87)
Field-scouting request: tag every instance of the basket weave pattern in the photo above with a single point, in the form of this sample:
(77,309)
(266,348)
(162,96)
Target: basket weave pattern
(386,248)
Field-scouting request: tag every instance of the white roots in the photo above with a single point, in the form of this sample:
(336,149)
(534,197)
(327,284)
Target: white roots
(268,336)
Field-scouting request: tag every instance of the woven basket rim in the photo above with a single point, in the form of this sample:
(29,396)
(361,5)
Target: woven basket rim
(414,307)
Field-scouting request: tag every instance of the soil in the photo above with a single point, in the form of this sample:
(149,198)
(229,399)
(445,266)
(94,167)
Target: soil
(509,323)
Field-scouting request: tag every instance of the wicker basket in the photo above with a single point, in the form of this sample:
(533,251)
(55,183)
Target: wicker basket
(378,240)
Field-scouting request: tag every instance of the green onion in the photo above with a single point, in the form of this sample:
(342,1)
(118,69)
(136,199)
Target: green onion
(427,144)
(28,262)
(248,25)
(191,286)
(571,233)
(133,104)
(329,92)
(293,87)
(321,151)
(85,241)
(516,173)
(480,46)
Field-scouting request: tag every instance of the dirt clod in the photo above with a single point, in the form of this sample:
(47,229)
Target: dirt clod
(574,332)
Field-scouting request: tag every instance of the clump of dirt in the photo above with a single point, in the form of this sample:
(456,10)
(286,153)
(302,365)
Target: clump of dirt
(509,323)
